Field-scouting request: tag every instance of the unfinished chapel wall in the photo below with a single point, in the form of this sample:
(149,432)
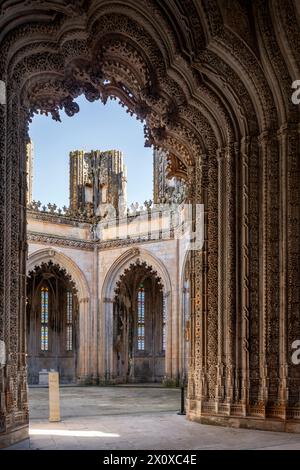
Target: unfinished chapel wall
(99,236)
(96,270)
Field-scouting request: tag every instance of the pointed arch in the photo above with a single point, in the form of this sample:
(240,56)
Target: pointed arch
(123,262)
(49,254)
(83,295)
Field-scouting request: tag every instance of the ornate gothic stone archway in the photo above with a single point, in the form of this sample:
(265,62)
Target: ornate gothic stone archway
(140,325)
(47,255)
(52,323)
(213,86)
(106,354)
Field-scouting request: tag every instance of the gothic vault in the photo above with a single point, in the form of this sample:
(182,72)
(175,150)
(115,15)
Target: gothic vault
(213,81)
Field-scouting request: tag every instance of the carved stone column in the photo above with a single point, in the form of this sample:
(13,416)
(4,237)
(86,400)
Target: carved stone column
(168,352)
(197,387)
(14,414)
(212,277)
(245,297)
(269,321)
(230,265)
(23,255)
(291,263)
(192,374)
(220,386)
(202,273)
(108,339)
(283,371)
(3,325)
(251,274)
(83,372)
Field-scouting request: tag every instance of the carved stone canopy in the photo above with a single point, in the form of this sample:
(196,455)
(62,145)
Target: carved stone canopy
(134,275)
(51,270)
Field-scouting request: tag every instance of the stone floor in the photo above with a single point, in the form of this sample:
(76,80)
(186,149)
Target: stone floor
(114,418)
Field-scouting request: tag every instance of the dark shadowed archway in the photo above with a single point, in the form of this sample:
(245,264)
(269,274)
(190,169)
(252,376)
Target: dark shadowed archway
(140,326)
(52,324)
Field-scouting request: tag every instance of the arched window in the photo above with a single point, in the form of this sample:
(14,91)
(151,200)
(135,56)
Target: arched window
(164,323)
(141,319)
(69,329)
(44,318)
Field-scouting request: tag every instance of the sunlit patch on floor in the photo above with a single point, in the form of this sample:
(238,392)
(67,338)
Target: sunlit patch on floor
(70,433)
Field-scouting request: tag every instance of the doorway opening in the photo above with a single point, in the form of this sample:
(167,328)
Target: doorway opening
(140,322)
(52,324)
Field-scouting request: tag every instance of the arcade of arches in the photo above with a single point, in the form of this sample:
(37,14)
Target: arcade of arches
(212,80)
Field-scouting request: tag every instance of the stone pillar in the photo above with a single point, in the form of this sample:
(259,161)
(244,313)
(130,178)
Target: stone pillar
(94,321)
(289,137)
(251,263)
(169,346)
(186,333)
(3,326)
(231,154)
(54,404)
(269,275)
(108,339)
(212,277)
(192,377)
(282,136)
(83,353)
(220,385)
(13,380)
(245,298)
(197,379)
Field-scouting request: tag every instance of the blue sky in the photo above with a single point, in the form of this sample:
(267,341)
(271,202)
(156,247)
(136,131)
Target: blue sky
(96,126)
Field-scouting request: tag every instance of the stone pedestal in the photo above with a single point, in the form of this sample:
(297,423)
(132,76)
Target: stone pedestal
(43,377)
(54,406)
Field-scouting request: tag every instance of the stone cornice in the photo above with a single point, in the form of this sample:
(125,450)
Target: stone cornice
(61,241)
(36,237)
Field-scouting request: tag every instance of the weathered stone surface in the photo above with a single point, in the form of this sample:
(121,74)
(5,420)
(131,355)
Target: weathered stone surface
(54,400)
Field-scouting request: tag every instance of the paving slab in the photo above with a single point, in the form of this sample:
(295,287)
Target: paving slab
(133,418)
